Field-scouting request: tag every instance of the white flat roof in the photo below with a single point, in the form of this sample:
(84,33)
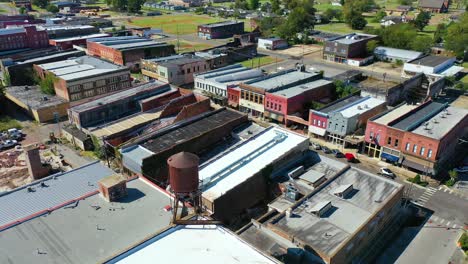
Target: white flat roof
(194,244)
(253,156)
(394,114)
(361,107)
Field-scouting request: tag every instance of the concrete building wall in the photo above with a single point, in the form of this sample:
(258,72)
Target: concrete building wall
(362,239)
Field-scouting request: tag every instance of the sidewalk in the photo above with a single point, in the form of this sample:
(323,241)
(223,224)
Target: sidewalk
(374,163)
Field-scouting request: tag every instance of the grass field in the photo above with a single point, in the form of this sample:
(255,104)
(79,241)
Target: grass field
(7,122)
(259,61)
(3,11)
(181,23)
(187,46)
(336,27)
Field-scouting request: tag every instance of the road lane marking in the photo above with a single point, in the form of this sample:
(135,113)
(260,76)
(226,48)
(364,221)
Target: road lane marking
(442,221)
(454,226)
(432,189)
(448,223)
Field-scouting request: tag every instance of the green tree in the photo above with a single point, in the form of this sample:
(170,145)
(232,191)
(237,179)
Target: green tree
(275,7)
(457,36)
(380,14)
(440,32)
(371,45)
(242,4)
(301,19)
(22,10)
(405,2)
(422,43)
(268,24)
(422,20)
(46,84)
(134,6)
(398,36)
(331,14)
(40,3)
(253,4)
(52,8)
(453,175)
(358,22)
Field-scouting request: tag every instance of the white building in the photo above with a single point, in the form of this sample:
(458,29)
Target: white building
(217,81)
(435,67)
(392,54)
(272,43)
(209,244)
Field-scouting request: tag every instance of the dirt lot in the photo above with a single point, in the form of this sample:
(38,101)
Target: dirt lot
(299,50)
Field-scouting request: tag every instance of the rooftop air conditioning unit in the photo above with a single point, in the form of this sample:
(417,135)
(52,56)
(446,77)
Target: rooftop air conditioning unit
(359,107)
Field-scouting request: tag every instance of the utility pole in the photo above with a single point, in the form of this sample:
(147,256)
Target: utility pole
(178,43)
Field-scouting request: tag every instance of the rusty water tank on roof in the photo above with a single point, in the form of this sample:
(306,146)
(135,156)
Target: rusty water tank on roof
(183,172)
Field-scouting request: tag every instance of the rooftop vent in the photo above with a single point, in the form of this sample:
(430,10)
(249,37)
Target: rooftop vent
(26,88)
(443,116)
(435,121)
(359,107)
(45,98)
(321,208)
(366,106)
(343,190)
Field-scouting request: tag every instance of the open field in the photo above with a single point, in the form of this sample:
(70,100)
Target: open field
(188,46)
(176,23)
(260,61)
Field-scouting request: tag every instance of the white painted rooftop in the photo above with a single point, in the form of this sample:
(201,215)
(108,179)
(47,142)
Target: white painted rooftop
(208,244)
(80,67)
(361,106)
(394,114)
(442,123)
(223,174)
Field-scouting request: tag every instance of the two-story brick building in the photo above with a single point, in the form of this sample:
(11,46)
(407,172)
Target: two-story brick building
(349,49)
(85,77)
(23,37)
(419,137)
(180,69)
(253,92)
(344,117)
(288,103)
(219,30)
(128,50)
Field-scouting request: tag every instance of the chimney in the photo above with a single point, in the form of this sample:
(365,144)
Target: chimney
(33,161)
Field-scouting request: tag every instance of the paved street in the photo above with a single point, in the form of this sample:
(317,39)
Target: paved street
(431,243)
(330,69)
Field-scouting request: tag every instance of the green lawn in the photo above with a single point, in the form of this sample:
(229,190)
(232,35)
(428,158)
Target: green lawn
(325,6)
(336,27)
(465,78)
(260,61)
(3,11)
(7,122)
(187,46)
(181,23)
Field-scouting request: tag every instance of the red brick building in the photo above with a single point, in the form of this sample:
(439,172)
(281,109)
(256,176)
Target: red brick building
(281,104)
(233,96)
(419,137)
(68,43)
(21,38)
(128,50)
(85,77)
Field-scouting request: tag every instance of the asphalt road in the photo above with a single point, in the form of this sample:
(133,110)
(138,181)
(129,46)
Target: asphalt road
(330,69)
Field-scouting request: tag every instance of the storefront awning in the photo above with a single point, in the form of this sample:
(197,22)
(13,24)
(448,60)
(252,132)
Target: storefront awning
(389,157)
(317,130)
(417,166)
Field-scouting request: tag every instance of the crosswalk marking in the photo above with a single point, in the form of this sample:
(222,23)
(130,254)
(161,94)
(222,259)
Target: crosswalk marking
(454,226)
(448,223)
(416,203)
(442,221)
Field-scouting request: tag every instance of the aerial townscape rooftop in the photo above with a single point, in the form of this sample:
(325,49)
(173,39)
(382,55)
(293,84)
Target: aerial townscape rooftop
(185,131)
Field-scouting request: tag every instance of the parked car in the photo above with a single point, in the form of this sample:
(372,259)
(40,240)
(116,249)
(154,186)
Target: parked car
(387,173)
(316,146)
(4,135)
(350,157)
(462,169)
(13,131)
(337,153)
(8,144)
(326,150)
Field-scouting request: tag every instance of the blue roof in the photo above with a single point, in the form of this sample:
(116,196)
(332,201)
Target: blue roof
(20,205)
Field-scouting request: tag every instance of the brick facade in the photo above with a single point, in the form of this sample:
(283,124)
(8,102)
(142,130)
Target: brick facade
(30,37)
